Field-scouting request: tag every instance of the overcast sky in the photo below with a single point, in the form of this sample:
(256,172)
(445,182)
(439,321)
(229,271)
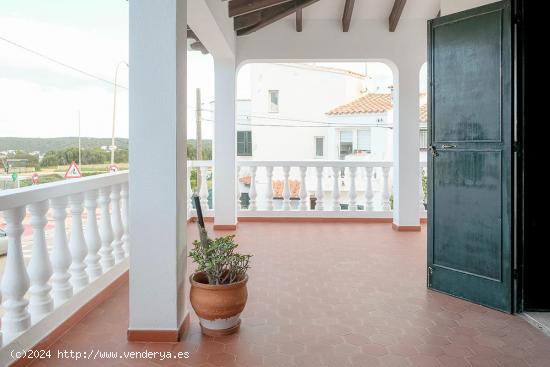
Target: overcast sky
(39,98)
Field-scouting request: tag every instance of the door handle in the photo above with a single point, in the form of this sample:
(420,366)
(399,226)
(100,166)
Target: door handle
(434,150)
(448,146)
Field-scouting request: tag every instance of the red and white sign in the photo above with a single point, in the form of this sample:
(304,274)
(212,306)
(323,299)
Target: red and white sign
(113,168)
(73,171)
(34,178)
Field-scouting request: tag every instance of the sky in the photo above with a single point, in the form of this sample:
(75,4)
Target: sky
(40,98)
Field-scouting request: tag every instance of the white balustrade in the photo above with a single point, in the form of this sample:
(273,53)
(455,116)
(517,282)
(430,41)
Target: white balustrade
(107,259)
(39,268)
(203,170)
(91,235)
(77,244)
(35,292)
(116,221)
(15,281)
(286,188)
(303,188)
(341,188)
(62,288)
(386,189)
(352,189)
(252,193)
(124,194)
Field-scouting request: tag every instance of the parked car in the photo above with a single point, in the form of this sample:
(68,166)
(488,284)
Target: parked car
(3,242)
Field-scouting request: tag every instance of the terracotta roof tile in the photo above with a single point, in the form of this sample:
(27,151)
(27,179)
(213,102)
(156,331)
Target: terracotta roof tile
(369,103)
(375,103)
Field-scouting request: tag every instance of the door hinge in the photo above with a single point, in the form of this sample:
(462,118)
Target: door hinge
(430,274)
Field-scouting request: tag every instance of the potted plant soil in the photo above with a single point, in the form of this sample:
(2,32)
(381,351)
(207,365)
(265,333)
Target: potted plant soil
(218,286)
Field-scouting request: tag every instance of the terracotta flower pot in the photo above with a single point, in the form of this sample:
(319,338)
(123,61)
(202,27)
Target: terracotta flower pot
(218,306)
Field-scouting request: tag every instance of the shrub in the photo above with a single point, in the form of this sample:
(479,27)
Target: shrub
(217,259)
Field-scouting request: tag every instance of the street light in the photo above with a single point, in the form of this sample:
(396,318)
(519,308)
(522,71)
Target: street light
(112,148)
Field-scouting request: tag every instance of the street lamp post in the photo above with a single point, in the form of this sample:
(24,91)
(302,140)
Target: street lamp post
(112,148)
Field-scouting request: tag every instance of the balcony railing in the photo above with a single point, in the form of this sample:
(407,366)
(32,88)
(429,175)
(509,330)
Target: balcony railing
(330,189)
(42,287)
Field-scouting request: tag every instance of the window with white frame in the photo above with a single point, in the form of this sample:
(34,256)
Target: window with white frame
(273,101)
(319,146)
(364,140)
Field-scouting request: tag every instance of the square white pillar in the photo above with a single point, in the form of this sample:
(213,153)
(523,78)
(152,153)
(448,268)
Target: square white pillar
(158,164)
(406,148)
(225,164)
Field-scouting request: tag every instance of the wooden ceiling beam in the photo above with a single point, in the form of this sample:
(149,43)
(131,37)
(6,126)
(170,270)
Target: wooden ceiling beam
(396,12)
(348,11)
(268,16)
(241,7)
(299,20)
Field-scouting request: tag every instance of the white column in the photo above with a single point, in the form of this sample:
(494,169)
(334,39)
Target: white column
(252,192)
(15,281)
(116,222)
(77,244)
(158,200)
(91,235)
(105,230)
(225,177)
(269,188)
(303,189)
(62,289)
(319,203)
(286,188)
(352,189)
(406,145)
(335,189)
(124,213)
(39,268)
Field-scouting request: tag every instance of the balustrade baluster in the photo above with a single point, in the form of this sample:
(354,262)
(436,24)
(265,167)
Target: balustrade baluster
(421,190)
(189,192)
(386,189)
(286,188)
(269,188)
(105,230)
(15,281)
(303,189)
(124,194)
(319,200)
(352,189)
(62,289)
(203,193)
(39,268)
(77,244)
(252,194)
(91,235)
(335,189)
(116,222)
(369,194)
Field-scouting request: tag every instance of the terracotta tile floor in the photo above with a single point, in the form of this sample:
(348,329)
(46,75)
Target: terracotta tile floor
(332,295)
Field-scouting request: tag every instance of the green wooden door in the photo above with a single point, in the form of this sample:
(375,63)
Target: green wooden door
(470,165)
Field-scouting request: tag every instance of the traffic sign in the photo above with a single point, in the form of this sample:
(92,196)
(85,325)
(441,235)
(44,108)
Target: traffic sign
(73,171)
(34,178)
(113,168)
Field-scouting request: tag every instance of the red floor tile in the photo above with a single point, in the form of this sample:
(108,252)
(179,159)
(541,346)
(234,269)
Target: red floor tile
(331,295)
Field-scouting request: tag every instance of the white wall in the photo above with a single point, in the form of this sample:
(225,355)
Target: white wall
(305,95)
(454,6)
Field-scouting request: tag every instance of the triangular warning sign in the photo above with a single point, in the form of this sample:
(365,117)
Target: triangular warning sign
(73,171)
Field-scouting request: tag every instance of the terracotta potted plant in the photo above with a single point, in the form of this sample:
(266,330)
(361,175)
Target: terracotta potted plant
(218,287)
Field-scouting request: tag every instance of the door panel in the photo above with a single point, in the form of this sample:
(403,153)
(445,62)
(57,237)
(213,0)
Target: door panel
(470,168)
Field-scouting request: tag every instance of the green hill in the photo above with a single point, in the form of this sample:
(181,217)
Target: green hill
(44,145)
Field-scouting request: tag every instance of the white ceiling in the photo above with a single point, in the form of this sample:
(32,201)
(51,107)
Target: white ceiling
(372,9)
